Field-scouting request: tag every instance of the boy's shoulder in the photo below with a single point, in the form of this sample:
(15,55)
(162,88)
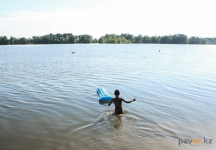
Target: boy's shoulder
(119,98)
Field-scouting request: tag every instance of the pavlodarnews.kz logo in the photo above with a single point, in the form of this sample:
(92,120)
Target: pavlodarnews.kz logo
(203,141)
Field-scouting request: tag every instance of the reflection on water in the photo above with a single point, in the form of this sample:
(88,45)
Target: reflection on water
(108,129)
(115,121)
(131,131)
(48,98)
(105,103)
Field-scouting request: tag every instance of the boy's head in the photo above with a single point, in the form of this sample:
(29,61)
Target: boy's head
(116,93)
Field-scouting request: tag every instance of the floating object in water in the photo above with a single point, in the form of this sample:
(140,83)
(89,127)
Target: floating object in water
(103,95)
(73,52)
(159,50)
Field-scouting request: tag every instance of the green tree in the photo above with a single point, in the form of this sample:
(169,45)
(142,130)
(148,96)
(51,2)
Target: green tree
(23,40)
(85,39)
(194,40)
(166,39)
(37,39)
(101,40)
(210,40)
(146,39)
(71,39)
(4,40)
(129,37)
(12,39)
(138,39)
(203,41)
(179,39)
(95,40)
(155,39)
(46,39)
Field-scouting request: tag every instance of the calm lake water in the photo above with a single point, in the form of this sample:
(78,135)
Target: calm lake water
(48,96)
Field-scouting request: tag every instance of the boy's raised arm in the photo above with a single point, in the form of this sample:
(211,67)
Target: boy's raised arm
(128,101)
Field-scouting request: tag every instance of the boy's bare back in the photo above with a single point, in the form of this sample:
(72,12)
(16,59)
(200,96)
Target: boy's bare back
(118,102)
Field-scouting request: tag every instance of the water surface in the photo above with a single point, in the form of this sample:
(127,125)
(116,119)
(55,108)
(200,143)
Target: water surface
(48,96)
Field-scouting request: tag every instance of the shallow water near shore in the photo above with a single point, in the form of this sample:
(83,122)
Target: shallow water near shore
(48,96)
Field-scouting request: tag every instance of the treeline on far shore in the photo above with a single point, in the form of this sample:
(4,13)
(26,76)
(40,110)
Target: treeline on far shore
(69,38)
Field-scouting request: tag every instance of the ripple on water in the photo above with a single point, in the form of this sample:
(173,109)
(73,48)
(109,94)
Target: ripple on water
(121,132)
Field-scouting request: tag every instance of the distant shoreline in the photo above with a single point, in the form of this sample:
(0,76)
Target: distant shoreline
(103,44)
(69,38)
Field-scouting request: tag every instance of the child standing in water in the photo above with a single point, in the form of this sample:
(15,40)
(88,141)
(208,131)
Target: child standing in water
(118,102)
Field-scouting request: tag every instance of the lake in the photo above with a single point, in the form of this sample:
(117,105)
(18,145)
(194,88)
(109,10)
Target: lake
(48,96)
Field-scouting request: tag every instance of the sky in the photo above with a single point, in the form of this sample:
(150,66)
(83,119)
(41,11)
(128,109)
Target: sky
(22,18)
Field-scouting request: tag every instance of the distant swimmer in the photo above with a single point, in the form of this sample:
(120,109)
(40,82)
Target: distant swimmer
(118,102)
(73,52)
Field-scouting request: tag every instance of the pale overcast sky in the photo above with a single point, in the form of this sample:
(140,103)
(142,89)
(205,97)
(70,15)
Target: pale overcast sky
(26,18)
